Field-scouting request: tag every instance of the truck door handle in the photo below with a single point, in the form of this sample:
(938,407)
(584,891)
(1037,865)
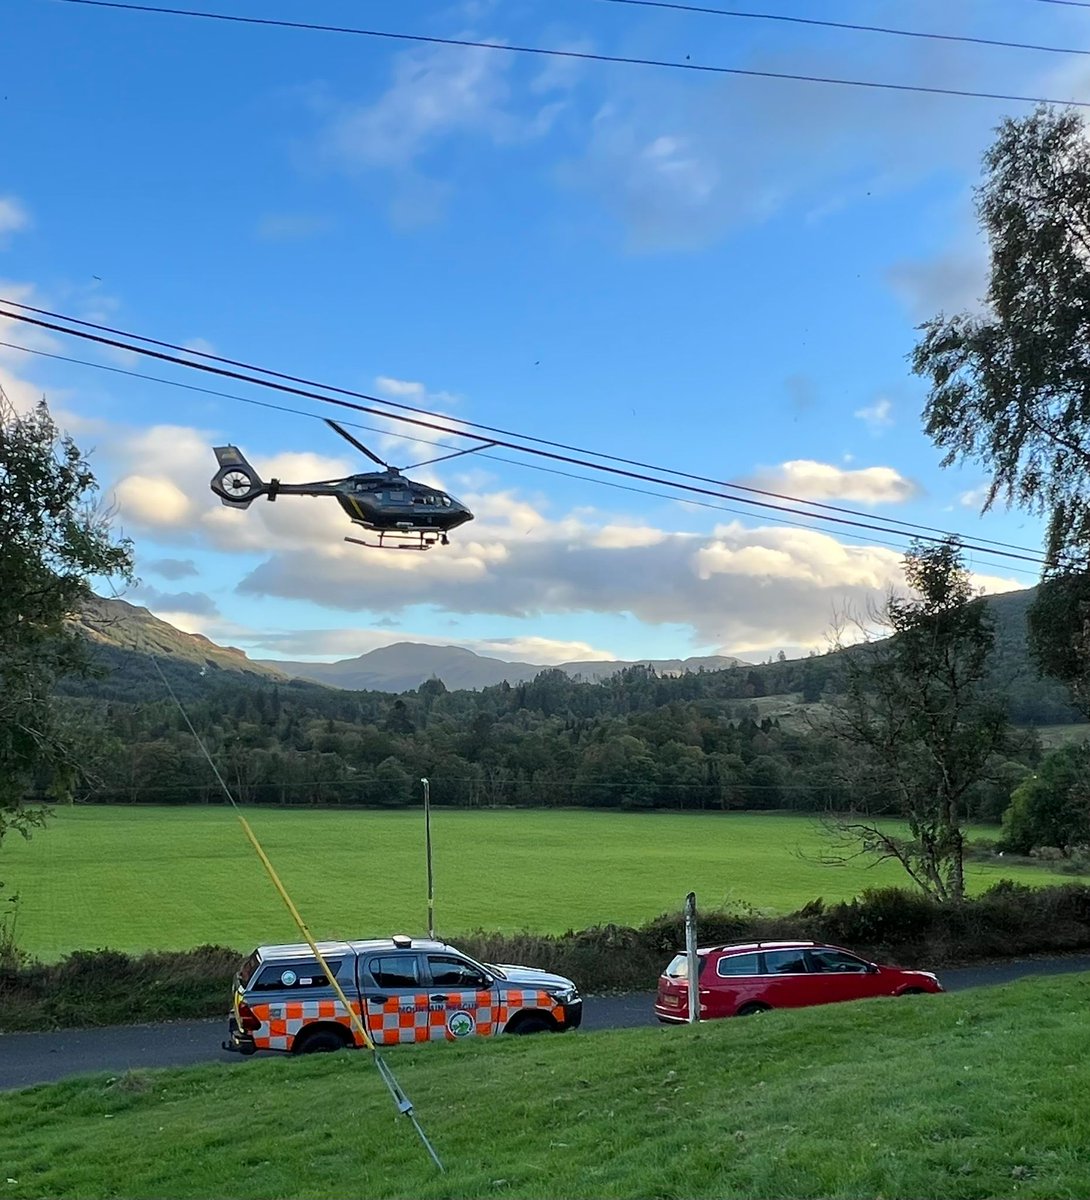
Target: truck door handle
(377,999)
(439,999)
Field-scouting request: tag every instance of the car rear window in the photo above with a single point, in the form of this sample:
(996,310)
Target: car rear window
(679,967)
(294,975)
(739,964)
(246,971)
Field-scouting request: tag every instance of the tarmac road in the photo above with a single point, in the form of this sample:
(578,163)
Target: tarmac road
(32,1058)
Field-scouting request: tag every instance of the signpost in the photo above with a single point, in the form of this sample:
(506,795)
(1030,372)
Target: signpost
(693,957)
(427,854)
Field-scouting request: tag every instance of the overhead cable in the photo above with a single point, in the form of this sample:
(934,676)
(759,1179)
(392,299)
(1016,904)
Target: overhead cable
(845,25)
(581,55)
(436,426)
(689,501)
(910,526)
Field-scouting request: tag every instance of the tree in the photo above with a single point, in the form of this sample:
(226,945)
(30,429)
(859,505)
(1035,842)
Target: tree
(52,541)
(1051,808)
(1010,387)
(916,725)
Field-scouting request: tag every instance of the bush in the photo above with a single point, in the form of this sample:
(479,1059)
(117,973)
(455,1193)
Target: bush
(103,987)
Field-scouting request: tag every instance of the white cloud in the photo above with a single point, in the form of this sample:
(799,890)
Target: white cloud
(822,481)
(974,497)
(745,589)
(681,162)
(152,502)
(13,217)
(435,92)
(877,416)
(546,651)
(951,282)
(400,387)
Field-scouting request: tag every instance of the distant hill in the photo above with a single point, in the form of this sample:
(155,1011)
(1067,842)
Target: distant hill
(403,666)
(123,626)
(124,634)
(126,637)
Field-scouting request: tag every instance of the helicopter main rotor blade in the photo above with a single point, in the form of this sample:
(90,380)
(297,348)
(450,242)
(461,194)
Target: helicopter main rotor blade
(443,457)
(355,442)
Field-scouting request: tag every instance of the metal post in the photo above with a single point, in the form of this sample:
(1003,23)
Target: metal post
(694,958)
(427,853)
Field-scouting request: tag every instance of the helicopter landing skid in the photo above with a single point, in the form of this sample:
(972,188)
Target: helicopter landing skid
(422,540)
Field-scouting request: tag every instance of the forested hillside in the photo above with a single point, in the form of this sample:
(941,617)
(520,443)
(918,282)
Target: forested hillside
(739,738)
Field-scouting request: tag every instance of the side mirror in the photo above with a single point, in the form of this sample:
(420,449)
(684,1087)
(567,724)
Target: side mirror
(873,968)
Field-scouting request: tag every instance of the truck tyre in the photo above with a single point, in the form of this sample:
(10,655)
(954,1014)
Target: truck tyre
(531,1025)
(320,1041)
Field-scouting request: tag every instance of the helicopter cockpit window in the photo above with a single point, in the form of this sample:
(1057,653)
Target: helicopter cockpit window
(444,501)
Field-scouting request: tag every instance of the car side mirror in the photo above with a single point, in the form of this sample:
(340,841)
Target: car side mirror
(872,968)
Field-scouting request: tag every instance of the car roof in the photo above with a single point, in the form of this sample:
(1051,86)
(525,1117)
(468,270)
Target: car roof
(742,947)
(364,946)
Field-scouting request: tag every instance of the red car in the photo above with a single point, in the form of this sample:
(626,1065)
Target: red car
(737,981)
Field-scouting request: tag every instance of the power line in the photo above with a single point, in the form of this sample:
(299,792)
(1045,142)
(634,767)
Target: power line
(1037,559)
(847,25)
(1068,3)
(531,466)
(581,55)
(435,426)
(507,433)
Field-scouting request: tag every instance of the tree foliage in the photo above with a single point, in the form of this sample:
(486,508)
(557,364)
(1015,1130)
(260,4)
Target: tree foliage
(1010,386)
(1052,807)
(52,540)
(918,728)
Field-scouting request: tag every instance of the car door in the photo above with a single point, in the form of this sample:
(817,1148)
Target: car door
(395,996)
(461,998)
(787,980)
(838,975)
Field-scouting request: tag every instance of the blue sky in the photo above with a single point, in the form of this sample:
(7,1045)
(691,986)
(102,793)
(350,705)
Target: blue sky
(717,274)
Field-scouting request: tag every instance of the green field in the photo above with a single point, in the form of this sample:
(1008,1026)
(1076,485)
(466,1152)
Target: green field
(963,1097)
(171,878)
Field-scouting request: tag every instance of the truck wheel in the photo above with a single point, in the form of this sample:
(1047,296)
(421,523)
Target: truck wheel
(531,1025)
(321,1041)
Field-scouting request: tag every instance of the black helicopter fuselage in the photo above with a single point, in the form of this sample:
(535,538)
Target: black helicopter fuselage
(386,500)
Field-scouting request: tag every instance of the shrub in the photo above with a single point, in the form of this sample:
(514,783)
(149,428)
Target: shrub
(102,987)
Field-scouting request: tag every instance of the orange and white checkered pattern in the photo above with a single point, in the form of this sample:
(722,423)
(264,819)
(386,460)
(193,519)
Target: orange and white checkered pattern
(409,1018)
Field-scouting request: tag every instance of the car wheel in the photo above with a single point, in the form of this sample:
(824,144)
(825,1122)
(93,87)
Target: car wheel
(532,1025)
(323,1041)
(752,1010)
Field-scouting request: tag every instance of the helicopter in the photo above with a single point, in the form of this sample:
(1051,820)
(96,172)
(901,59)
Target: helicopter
(404,514)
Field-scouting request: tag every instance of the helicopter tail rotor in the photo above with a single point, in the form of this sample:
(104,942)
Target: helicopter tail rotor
(236,483)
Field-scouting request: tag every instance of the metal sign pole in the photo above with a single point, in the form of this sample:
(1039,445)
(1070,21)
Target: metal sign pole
(693,957)
(427,854)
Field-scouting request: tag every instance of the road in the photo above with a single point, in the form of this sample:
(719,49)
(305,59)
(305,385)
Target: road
(31,1058)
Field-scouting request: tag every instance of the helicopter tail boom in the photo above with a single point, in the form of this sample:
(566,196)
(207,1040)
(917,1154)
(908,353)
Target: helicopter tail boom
(236,483)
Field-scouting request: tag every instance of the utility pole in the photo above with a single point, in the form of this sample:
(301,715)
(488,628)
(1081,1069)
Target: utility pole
(692,957)
(427,854)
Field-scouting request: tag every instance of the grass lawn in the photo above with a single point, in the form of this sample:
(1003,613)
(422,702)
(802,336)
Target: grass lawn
(171,878)
(960,1097)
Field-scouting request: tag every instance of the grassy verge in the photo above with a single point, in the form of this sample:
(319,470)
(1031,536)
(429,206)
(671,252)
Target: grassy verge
(960,1097)
(139,879)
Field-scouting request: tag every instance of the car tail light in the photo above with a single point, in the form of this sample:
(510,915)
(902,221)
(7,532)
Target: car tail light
(248,1019)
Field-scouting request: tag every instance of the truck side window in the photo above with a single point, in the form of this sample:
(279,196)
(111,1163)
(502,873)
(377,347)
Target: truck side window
(395,971)
(454,973)
(278,976)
